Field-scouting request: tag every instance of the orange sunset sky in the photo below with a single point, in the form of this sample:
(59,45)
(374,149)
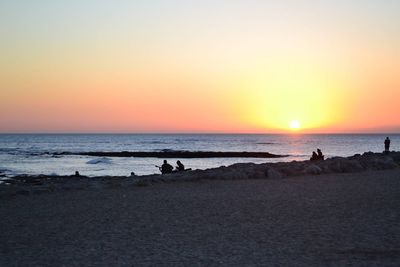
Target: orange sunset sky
(200,66)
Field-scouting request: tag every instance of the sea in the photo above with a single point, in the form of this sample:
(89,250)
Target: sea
(34,154)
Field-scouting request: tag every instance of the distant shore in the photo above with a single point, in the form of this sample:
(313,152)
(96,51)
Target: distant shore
(176,154)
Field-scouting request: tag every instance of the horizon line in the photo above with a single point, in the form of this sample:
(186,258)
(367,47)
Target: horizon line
(196,133)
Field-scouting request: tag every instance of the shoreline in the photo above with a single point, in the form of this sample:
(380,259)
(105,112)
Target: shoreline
(32,184)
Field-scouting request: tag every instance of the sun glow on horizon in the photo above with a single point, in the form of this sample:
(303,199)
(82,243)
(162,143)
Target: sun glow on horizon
(300,97)
(207,66)
(294,125)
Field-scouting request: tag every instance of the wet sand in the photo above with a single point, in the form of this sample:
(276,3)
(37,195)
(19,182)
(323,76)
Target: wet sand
(324,220)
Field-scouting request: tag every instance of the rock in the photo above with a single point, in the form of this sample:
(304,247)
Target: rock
(312,169)
(341,165)
(385,163)
(34,181)
(258,174)
(293,169)
(395,157)
(369,153)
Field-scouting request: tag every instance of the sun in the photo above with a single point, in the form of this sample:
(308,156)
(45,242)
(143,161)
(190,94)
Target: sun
(294,125)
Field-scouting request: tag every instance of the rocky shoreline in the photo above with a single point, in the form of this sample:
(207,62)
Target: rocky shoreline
(28,184)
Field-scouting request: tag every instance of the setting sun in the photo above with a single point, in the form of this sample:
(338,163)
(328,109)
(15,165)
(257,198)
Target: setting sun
(294,125)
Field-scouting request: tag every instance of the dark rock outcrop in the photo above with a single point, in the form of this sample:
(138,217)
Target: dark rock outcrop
(177,154)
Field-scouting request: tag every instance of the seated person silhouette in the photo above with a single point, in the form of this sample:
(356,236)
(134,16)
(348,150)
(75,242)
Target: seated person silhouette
(180,166)
(314,156)
(166,167)
(320,155)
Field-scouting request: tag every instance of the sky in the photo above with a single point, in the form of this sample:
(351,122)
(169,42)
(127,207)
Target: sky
(217,66)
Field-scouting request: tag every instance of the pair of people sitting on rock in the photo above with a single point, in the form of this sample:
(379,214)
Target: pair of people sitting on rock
(167,168)
(318,155)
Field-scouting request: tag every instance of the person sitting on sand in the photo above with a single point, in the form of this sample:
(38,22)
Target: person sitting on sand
(314,156)
(180,167)
(166,167)
(320,155)
(387,144)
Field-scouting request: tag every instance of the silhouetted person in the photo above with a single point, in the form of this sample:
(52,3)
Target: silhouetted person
(180,166)
(320,155)
(166,167)
(314,156)
(387,144)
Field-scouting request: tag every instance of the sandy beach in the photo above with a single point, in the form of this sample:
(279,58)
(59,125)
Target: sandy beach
(200,133)
(321,220)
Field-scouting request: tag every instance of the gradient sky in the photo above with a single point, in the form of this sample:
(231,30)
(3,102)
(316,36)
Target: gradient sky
(199,66)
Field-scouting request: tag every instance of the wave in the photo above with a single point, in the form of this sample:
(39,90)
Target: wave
(5,173)
(100,161)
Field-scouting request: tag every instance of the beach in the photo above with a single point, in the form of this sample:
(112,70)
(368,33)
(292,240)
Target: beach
(308,220)
(200,133)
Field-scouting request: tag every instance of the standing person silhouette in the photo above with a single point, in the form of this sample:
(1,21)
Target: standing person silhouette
(387,145)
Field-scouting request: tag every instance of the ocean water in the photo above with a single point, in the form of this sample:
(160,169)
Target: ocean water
(27,153)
